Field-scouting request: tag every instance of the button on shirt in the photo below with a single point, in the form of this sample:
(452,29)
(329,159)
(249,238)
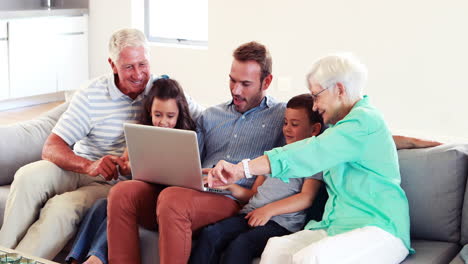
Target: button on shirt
(360,168)
(225,134)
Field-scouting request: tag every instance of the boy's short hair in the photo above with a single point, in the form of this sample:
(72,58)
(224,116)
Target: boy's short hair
(305,101)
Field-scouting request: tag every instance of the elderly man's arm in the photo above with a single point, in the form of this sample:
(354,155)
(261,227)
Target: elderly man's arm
(56,150)
(403,142)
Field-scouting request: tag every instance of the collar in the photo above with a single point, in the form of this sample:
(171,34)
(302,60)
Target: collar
(115,93)
(363,101)
(267,101)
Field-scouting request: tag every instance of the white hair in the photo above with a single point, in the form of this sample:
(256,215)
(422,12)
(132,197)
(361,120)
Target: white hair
(344,68)
(127,37)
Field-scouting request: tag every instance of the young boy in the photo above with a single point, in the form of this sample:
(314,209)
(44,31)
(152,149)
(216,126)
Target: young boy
(276,209)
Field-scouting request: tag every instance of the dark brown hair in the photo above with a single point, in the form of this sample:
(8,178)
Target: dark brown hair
(254,51)
(305,101)
(165,89)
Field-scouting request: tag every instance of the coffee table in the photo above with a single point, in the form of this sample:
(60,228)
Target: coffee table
(37,259)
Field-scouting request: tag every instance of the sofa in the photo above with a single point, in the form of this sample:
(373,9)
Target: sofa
(435,181)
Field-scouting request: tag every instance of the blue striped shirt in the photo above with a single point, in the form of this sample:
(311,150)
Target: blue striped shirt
(225,134)
(94,120)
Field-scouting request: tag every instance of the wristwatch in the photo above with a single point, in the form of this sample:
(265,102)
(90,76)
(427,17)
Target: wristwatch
(245,163)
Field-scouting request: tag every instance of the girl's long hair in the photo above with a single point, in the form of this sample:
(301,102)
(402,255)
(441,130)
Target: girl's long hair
(164,89)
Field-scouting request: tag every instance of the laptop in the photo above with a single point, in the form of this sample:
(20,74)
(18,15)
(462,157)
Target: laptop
(165,156)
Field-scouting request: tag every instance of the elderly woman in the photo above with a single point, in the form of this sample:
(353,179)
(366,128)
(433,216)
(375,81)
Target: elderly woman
(366,218)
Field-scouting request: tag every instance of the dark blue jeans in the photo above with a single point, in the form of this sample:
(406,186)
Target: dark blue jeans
(92,236)
(233,236)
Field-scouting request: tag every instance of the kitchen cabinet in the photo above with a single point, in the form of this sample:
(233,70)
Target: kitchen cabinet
(4,79)
(32,57)
(47,54)
(72,41)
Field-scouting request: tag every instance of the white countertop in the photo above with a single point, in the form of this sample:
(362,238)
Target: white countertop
(42,12)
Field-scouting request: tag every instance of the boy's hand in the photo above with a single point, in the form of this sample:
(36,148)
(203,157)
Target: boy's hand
(258,217)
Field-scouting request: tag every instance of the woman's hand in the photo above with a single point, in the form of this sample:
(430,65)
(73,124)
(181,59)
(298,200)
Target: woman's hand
(225,173)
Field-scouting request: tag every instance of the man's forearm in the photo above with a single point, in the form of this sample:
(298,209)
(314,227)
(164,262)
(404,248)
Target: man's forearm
(57,151)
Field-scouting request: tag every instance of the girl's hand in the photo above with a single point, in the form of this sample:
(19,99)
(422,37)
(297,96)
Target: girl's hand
(258,217)
(125,170)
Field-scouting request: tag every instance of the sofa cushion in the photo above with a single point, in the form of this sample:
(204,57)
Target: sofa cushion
(4,191)
(149,246)
(434,180)
(464,224)
(432,252)
(457,260)
(21,143)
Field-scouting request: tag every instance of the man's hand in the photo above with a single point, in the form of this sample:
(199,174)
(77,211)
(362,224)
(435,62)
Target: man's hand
(225,173)
(105,166)
(258,217)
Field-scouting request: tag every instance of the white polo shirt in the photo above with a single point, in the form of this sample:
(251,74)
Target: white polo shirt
(94,120)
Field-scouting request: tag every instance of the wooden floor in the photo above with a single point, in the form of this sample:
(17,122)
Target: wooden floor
(25,113)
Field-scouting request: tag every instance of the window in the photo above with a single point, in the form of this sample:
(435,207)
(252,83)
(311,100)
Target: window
(177,21)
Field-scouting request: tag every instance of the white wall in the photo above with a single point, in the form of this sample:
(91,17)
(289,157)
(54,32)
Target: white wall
(415,51)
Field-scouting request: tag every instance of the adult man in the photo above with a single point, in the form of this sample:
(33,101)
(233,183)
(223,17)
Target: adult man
(222,132)
(60,188)
(366,218)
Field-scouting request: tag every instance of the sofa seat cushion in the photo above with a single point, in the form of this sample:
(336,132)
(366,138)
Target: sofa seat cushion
(434,180)
(432,252)
(149,249)
(4,191)
(457,260)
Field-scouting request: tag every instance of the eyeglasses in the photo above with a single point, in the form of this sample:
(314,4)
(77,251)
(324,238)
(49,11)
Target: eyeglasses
(315,96)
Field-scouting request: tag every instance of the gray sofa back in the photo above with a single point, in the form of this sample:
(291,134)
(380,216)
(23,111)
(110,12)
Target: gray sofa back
(435,181)
(22,143)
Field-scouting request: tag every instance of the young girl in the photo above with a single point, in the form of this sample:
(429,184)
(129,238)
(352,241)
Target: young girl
(276,209)
(164,106)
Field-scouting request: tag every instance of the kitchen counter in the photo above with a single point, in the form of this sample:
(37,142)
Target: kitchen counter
(43,13)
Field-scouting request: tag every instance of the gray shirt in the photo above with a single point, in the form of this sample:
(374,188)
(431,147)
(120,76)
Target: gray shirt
(274,189)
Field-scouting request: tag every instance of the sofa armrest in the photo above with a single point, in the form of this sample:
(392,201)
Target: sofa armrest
(22,143)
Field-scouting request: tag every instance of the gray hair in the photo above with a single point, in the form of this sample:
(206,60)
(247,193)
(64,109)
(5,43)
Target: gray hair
(344,68)
(127,37)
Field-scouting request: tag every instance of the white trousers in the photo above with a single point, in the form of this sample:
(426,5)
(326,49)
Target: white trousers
(45,206)
(368,245)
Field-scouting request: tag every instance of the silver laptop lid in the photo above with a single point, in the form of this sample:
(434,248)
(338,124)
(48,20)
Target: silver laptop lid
(164,155)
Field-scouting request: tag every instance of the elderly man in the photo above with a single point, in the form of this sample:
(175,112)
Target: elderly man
(49,197)
(366,218)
